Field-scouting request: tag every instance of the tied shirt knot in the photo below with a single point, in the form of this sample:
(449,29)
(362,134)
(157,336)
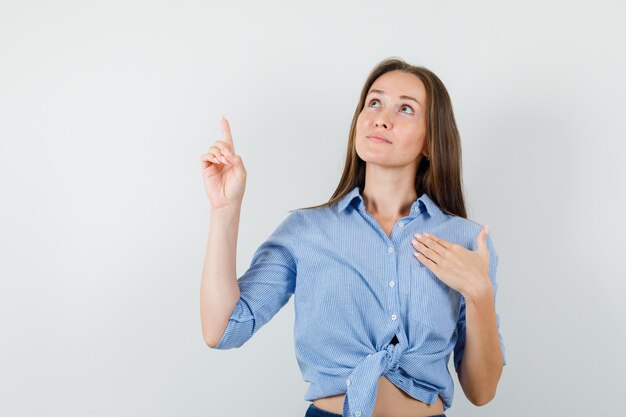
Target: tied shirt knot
(362,384)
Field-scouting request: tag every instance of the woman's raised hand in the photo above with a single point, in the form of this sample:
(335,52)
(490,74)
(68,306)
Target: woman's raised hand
(223,171)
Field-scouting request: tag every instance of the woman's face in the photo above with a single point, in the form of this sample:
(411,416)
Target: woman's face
(394,110)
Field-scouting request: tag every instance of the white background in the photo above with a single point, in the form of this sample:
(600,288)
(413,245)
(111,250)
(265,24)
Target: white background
(107,106)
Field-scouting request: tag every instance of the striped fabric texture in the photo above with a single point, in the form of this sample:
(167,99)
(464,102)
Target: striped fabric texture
(364,305)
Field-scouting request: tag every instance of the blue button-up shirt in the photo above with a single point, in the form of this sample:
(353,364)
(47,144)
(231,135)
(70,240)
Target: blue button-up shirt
(355,289)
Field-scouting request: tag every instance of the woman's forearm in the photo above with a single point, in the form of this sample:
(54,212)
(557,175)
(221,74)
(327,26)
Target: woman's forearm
(482,362)
(219,290)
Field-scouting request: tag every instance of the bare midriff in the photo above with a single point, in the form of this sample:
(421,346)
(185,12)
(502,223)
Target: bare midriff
(391,401)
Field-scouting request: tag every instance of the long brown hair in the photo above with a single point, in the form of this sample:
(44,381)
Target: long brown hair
(439,175)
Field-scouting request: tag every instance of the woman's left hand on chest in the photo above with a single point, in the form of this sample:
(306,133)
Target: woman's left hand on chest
(461,269)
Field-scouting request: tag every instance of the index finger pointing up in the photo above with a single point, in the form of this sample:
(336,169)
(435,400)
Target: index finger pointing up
(226,131)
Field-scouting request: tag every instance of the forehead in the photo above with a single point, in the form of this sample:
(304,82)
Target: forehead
(396,83)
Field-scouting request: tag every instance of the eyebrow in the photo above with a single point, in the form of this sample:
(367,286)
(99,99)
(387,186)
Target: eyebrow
(402,96)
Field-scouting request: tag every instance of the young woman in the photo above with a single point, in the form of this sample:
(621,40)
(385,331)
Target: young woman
(389,275)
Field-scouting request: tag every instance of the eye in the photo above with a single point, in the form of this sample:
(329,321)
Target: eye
(408,107)
(373,100)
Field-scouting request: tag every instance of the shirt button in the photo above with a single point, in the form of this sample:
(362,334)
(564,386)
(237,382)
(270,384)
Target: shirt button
(369,354)
(401,224)
(348,382)
(357,413)
(391,283)
(393,317)
(390,249)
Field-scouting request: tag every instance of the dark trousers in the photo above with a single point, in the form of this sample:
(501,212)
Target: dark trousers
(314,411)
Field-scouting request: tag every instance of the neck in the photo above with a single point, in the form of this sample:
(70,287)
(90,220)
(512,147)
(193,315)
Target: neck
(387,194)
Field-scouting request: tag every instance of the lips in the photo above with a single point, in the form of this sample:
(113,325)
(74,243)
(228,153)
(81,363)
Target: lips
(378,139)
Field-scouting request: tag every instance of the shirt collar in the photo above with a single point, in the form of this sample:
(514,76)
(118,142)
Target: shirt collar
(419,205)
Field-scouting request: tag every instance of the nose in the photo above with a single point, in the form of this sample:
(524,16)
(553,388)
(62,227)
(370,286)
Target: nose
(382,120)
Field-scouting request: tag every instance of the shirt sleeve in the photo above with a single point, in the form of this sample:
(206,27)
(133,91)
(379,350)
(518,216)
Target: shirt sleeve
(459,348)
(266,286)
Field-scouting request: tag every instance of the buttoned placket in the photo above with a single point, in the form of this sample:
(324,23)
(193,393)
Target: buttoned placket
(391,269)
(391,266)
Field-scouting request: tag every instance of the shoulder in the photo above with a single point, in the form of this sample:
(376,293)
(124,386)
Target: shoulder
(462,227)
(312,216)
(465,231)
